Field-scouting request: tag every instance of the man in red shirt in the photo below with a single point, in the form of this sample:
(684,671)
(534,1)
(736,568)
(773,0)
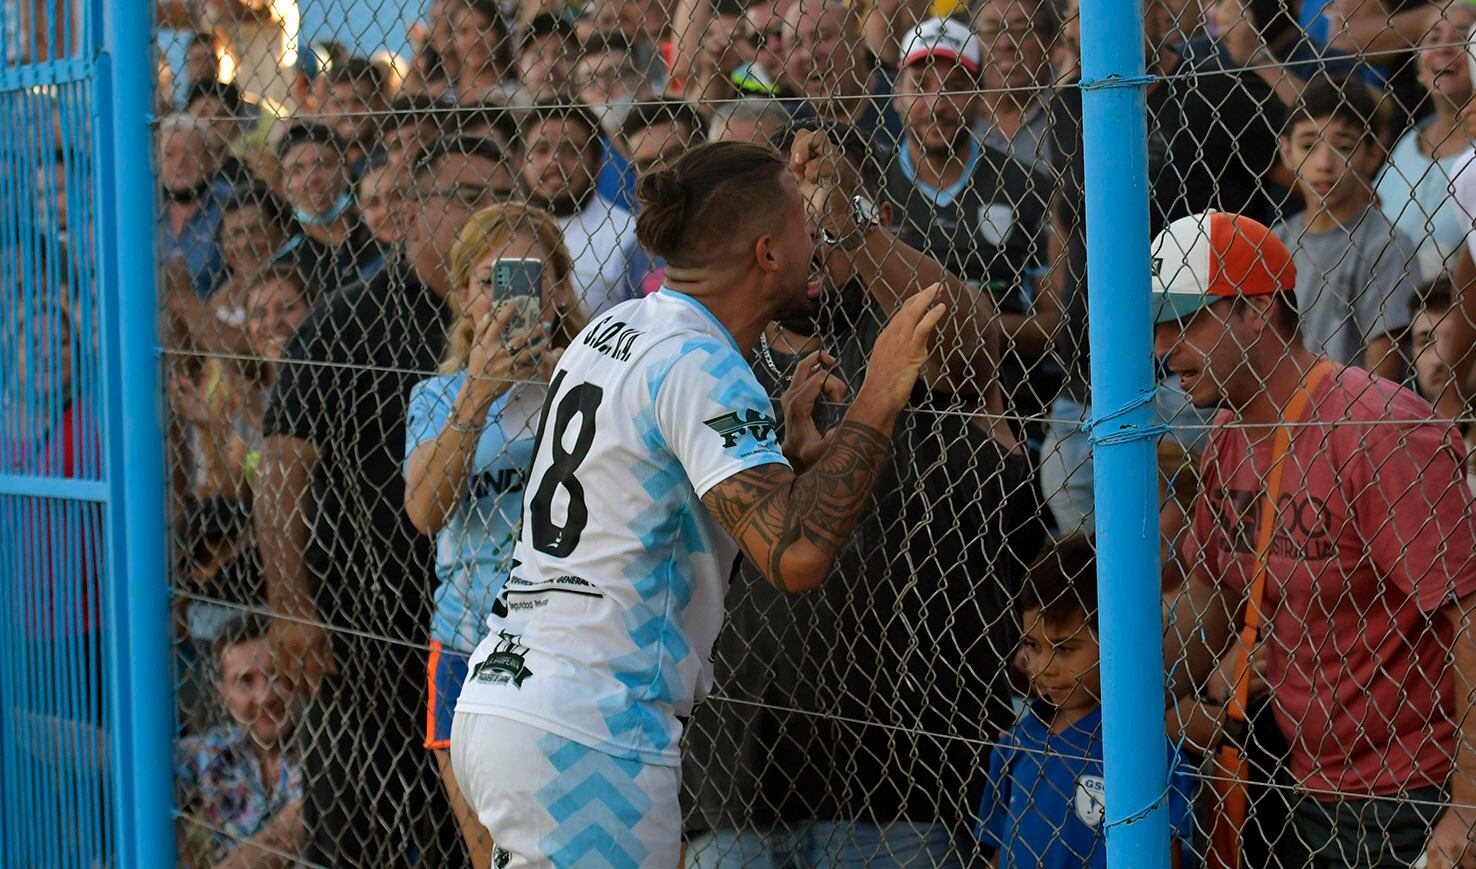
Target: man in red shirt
(1366,641)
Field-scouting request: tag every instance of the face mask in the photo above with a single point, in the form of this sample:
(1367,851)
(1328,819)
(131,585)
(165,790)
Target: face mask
(614,113)
(340,205)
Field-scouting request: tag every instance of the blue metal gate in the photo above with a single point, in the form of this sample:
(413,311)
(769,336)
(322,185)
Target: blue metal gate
(84,668)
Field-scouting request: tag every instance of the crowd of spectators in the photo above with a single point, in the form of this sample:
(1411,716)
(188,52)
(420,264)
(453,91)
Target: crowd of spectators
(316,239)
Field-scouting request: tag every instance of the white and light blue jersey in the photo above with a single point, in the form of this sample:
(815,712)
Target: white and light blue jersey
(474,548)
(603,632)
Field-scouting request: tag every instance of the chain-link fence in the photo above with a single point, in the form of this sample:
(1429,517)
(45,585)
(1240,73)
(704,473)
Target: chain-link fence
(382,256)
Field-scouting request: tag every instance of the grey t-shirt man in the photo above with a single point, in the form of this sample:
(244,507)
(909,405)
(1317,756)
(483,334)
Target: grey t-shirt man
(1353,283)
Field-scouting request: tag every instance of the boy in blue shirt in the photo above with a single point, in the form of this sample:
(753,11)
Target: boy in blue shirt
(1043,802)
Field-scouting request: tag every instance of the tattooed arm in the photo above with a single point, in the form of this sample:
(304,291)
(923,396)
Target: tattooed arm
(792,526)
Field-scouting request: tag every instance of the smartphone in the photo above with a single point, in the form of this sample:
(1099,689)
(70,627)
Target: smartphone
(519,281)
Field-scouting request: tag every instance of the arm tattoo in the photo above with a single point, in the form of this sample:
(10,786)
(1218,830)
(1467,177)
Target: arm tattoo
(769,512)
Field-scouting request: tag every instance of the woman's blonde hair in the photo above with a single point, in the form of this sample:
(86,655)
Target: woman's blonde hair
(483,232)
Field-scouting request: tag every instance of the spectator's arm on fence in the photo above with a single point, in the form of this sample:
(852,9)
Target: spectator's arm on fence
(299,645)
(963,358)
(1367,26)
(792,526)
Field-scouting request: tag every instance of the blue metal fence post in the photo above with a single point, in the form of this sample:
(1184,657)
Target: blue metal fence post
(1114,136)
(138,594)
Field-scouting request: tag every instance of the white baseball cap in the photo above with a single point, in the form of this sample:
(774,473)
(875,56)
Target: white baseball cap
(946,38)
(1202,258)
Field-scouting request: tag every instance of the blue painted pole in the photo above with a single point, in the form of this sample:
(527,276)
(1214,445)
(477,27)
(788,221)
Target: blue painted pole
(137,591)
(1123,449)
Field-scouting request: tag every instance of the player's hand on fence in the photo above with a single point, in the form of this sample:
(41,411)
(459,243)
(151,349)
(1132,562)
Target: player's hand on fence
(500,352)
(901,349)
(817,165)
(803,441)
(1452,842)
(301,653)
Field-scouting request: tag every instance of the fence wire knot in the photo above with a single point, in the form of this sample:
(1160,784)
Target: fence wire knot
(1127,434)
(1160,803)
(1117,80)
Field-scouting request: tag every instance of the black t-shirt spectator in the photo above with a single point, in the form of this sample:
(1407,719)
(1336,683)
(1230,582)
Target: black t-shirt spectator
(342,387)
(912,633)
(1212,135)
(990,229)
(329,268)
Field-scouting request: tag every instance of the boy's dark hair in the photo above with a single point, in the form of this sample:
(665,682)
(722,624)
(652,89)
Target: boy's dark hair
(730,7)
(470,146)
(546,24)
(1062,583)
(490,116)
(310,133)
(203,37)
(241,629)
(416,109)
(854,144)
(274,211)
(690,206)
(1345,100)
(1436,295)
(600,42)
(644,116)
(355,71)
(552,110)
(228,94)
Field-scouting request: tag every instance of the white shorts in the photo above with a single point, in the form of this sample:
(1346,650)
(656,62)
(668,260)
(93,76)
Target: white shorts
(550,801)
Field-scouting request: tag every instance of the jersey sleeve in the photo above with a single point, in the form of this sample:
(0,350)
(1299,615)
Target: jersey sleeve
(428,409)
(712,413)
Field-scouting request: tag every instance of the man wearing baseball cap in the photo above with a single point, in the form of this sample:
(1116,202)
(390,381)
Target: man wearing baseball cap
(972,207)
(1337,501)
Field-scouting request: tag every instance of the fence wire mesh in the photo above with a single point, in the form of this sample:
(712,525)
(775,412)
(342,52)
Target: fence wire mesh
(351,443)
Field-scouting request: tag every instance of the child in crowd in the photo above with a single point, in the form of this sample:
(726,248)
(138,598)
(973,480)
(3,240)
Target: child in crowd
(1044,803)
(1355,271)
(1432,315)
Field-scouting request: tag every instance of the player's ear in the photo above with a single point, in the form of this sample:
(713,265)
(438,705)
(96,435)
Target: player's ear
(764,253)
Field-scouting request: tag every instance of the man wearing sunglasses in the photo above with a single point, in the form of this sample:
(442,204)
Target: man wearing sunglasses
(337,547)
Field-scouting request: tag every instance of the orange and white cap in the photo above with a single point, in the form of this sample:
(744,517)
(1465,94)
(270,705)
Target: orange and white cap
(1202,258)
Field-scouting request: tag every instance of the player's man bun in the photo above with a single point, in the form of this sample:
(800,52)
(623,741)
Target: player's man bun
(690,207)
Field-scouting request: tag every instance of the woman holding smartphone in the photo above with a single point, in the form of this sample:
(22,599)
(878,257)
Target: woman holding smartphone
(469,441)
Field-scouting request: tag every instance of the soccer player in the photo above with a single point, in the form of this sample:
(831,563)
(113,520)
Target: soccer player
(656,461)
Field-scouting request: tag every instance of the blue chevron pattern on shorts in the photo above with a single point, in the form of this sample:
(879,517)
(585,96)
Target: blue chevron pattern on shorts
(597,804)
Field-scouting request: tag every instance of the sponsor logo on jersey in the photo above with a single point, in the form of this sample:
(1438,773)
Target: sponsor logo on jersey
(505,665)
(498,482)
(732,426)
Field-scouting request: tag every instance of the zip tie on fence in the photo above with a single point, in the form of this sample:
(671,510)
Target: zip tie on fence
(1117,80)
(1140,814)
(1126,435)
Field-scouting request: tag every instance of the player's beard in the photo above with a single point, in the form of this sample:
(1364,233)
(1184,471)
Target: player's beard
(835,314)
